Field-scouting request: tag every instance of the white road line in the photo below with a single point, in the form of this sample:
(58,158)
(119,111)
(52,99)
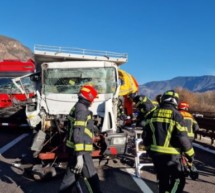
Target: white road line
(12,143)
(204,148)
(140,182)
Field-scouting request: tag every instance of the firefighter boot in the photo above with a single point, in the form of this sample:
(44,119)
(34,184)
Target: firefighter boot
(95,184)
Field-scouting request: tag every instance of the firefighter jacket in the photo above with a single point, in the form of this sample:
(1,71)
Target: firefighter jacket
(145,106)
(164,132)
(190,123)
(80,131)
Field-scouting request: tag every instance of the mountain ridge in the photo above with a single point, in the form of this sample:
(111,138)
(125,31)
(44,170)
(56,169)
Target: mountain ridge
(192,83)
(11,48)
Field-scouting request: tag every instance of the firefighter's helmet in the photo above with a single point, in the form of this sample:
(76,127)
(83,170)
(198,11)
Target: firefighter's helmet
(137,100)
(183,106)
(158,98)
(88,92)
(171,97)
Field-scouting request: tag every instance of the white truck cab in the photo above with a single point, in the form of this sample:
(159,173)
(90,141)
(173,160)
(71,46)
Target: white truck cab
(61,83)
(62,73)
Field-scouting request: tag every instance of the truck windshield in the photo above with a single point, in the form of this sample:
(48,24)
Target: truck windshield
(26,84)
(7,86)
(69,81)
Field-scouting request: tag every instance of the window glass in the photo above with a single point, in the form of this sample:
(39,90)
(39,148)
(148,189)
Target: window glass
(7,86)
(69,81)
(27,84)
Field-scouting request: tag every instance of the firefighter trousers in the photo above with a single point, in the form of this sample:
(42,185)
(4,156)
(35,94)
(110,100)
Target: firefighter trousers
(170,175)
(68,183)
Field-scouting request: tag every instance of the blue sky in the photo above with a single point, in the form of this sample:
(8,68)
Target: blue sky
(163,38)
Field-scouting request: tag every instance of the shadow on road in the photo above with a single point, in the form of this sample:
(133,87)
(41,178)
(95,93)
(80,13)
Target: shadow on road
(17,179)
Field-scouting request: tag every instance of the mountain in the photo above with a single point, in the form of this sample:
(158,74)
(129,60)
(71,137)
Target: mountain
(194,84)
(13,49)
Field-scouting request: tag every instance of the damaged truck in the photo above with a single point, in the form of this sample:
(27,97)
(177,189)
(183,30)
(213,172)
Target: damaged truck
(12,101)
(62,72)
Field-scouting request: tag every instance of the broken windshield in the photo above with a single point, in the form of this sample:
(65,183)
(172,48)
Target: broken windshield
(69,81)
(25,84)
(7,86)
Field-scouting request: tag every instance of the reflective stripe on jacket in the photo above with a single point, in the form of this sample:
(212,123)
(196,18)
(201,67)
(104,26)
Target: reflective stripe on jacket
(190,123)
(145,105)
(80,133)
(164,132)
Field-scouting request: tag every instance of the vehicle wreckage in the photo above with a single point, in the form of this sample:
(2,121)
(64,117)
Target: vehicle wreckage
(62,72)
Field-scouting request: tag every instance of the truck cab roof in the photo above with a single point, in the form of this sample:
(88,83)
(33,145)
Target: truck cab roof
(44,53)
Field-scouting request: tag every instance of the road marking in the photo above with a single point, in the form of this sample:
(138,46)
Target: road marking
(140,182)
(204,148)
(12,143)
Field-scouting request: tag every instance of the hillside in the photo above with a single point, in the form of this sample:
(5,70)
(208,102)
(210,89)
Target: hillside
(194,84)
(13,49)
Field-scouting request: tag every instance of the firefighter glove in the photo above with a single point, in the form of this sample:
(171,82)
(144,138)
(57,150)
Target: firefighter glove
(79,164)
(190,159)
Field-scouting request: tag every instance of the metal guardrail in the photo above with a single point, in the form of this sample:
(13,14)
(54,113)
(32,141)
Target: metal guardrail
(80,51)
(207,128)
(206,123)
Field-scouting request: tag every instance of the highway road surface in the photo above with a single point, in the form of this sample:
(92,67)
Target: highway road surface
(115,177)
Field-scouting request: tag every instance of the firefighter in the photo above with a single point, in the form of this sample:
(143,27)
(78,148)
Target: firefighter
(189,121)
(128,108)
(144,106)
(165,138)
(80,144)
(158,99)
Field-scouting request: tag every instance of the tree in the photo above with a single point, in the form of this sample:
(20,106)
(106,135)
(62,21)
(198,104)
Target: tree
(203,103)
